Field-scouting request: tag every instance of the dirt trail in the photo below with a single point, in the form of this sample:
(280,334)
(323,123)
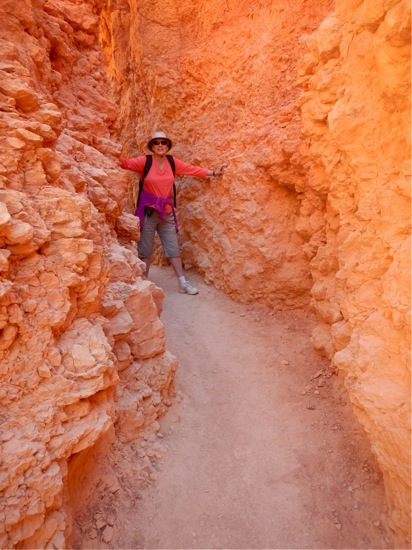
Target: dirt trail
(262,451)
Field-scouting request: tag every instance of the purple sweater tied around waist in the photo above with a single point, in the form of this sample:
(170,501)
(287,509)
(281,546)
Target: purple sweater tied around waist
(158,203)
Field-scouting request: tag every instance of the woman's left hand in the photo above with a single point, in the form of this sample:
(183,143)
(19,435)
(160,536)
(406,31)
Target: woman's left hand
(220,171)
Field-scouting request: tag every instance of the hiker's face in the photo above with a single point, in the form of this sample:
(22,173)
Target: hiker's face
(160,147)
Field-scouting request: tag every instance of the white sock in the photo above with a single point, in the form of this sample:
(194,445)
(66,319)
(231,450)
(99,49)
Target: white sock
(182,279)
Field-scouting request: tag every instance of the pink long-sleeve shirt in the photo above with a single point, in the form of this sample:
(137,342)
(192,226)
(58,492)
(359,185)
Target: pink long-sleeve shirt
(160,182)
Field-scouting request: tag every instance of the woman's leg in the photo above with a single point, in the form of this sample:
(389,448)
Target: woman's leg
(167,234)
(147,235)
(177,266)
(147,262)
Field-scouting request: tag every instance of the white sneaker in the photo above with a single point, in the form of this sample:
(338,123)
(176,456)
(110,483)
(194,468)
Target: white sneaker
(187,288)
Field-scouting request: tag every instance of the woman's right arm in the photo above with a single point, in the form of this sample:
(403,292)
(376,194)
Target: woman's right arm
(136,163)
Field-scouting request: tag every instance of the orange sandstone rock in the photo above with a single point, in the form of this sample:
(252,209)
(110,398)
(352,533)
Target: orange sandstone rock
(356,120)
(313,207)
(61,193)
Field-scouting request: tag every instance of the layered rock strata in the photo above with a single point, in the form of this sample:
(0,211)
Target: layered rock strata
(78,322)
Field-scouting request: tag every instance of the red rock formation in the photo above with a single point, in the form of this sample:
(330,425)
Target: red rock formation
(76,315)
(356,122)
(313,207)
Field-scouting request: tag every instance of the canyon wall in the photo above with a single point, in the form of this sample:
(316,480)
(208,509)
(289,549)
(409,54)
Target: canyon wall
(221,80)
(356,124)
(314,206)
(78,322)
(307,101)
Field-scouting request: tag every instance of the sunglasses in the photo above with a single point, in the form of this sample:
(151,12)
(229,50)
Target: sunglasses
(160,142)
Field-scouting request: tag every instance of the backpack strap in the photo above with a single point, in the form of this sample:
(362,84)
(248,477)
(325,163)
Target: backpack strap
(147,166)
(172,164)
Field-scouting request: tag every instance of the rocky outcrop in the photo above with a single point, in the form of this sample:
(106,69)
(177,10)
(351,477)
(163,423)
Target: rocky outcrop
(78,322)
(356,123)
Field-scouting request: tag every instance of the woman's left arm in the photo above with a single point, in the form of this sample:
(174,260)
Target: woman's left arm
(184,169)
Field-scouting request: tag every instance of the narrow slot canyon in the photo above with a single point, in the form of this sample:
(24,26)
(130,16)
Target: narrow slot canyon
(272,410)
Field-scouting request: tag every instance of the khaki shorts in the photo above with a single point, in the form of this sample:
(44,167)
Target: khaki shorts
(166,230)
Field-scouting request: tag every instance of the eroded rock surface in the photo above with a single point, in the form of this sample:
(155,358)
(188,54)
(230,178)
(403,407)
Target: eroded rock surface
(356,124)
(77,319)
(308,102)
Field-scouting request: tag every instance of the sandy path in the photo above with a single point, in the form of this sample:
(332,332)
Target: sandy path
(260,452)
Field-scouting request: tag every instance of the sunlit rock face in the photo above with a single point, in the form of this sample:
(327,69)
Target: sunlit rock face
(308,103)
(77,319)
(356,124)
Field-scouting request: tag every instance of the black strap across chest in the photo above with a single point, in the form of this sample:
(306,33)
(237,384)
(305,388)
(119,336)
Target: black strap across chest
(147,166)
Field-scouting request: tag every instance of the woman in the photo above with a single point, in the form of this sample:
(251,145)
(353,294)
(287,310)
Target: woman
(156,208)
